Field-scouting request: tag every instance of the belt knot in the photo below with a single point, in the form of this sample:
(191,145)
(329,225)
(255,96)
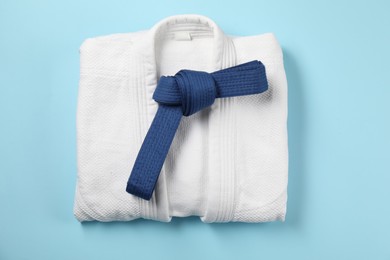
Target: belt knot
(192,90)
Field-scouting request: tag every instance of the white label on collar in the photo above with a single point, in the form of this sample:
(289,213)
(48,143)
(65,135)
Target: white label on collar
(183,36)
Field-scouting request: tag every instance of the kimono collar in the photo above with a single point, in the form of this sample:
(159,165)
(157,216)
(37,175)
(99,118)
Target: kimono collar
(184,27)
(223,50)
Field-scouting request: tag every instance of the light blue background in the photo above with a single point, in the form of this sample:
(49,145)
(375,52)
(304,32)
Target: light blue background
(337,63)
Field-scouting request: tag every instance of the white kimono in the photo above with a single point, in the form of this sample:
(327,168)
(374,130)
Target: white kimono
(228,162)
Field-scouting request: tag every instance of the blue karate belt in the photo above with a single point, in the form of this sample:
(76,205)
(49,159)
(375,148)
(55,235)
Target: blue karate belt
(183,95)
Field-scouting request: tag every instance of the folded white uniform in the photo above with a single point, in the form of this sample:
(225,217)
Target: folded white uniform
(228,162)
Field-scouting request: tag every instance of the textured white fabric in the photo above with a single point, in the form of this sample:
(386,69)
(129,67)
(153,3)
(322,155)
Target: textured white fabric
(227,163)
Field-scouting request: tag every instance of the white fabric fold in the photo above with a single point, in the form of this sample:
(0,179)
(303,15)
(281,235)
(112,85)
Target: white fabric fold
(226,163)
